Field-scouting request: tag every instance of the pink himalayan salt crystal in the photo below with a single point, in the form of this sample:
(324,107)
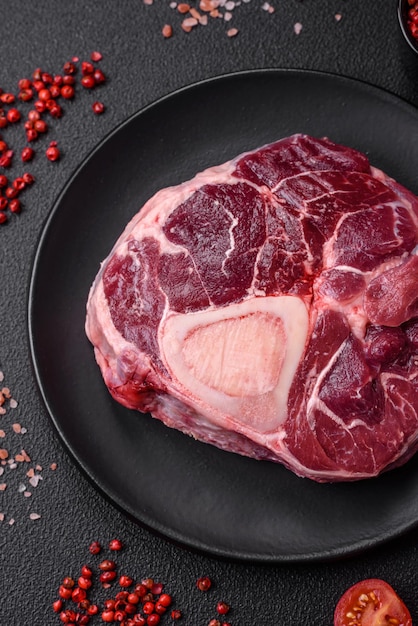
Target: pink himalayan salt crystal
(232,32)
(297,28)
(13,403)
(34,516)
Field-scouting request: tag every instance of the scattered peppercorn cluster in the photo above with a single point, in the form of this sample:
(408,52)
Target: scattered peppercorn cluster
(413,18)
(134,603)
(43,91)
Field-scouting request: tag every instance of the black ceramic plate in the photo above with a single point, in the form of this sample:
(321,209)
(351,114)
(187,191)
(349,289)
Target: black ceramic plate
(190,492)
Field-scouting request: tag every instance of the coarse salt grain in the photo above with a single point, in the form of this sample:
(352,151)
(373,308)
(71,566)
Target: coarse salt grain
(3,486)
(232,32)
(23,431)
(3,453)
(34,481)
(21,488)
(13,403)
(27,494)
(167,30)
(17,428)
(1,471)
(1,377)
(34,516)
(338,16)
(11,521)
(2,517)
(227,16)
(2,433)
(297,28)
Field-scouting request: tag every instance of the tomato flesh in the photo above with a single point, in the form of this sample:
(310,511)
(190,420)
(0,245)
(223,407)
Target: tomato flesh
(371,602)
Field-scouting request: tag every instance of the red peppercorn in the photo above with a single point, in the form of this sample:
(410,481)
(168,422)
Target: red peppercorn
(11,192)
(109,604)
(96,56)
(31,134)
(44,95)
(130,609)
(37,74)
(160,608)
(3,217)
(86,571)
(148,583)
(69,68)
(157,588)
(3,146)
(140,589)
(153,619)
(56,111)
(27,154)
(95,547)
(107,565)
(99,77)
(55,91)
(83,620)
(19,183)
(13,115)
(84,583)
(47,78)
(68,80)
(6,160)
(175,614)
(125,581)
(119,616)
(108,616)
(222,608)
(3,121)
(133,598)
(15,205)
(25,95)
(107,577)
(204,583)
(67,92)
(214,622)
(122,595)
(28,178)
(78,595)
(34,115)
(7,98)
(40,106)
(115,545)
(40,126)
(24,83)
(52,153)
(64,592)
(148,608)
(58,80)
(93,609)
(38,85)
(57,606)
(3,180)
(87,68)
(50,104)
(88,81)
(139,620)
(165,599)
(84,604)
(3,203)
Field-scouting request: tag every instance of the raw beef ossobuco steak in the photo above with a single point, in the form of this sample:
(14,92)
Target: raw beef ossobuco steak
(269,307)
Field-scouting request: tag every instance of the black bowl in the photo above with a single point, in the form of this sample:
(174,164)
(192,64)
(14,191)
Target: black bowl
(403,8)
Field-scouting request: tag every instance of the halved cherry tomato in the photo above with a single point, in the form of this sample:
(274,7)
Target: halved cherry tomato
(371,602)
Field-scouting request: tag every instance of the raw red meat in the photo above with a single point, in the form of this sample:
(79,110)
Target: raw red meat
(269,306)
